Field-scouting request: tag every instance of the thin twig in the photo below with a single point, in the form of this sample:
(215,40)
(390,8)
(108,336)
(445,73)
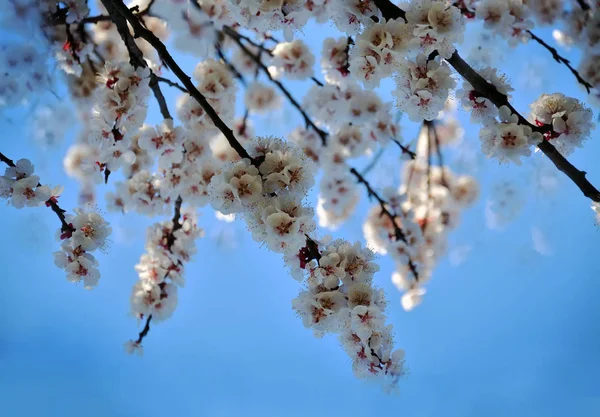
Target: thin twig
(404,149)
(51,202)
(398,233)
(231,67)
(373,162)
(438,149)
(560,59)
(144,331)
(236,37)
(584,5)
(172,84)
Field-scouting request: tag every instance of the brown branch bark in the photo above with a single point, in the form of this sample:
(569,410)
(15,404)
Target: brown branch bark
(487,90)
(562,60)
(136,56)
(142,32)
(583,4)
(394,218)
(60,213)
(172,84)
(144,331)
(309,123)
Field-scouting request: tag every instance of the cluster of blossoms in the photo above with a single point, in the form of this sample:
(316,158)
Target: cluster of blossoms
(423,87)
(288,16)
(261,98)
(89,232)
(382,46)
(482,110)
(268,191)
(427,206)
(338,198)
(510,19)
(293,60)
(169,245)
(567,122)
(357,121)
(196,162)
(80,234)
(340,298)
(507,139)
(21,187)
(119,111)
(186,166)
(514,20)
(571,121)
(217,85)
(334,60)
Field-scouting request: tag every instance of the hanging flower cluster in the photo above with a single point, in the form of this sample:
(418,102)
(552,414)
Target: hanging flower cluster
(169,246)
(89,233)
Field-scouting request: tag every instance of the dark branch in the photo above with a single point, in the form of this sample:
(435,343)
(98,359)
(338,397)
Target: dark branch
(309,123)
(436,140)
(176,223)
(136,56)
(487,90)
(51,202)
(231,67)
(404,149)
(144,331)
(172,84)
(106,18)
(394,218)
(558,58)
(141,32)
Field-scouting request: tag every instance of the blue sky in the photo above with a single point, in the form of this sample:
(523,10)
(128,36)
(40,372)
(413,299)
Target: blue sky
(507,332)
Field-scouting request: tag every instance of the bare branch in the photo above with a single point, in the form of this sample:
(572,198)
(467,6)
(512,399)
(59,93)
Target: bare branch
(144,331)
(172,84)
(560,59)
(404,149)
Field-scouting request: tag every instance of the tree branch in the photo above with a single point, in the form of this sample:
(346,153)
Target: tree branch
(51,202)
(106,18)
(136,56)
(405,149)
(141,32)
(487,90)
(439,155)
(309,123)
(144,331)
(560,59)
(398,233)
(584,5)
(172,84)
